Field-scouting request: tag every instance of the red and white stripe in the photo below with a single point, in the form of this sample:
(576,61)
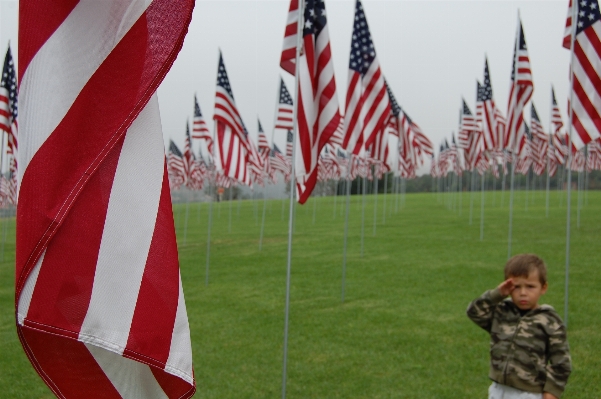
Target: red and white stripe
(95,214)
(318,113)
(288,57)
(230,155)
(586,79)
(285,109)
(520,91)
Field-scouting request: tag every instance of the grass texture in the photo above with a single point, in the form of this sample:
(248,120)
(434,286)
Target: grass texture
(401,331)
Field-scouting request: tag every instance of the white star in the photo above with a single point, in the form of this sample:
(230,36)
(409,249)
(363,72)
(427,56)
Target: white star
(581,13)
(583,3)
(580,24)
(308,24)
(591,16)
(593,6)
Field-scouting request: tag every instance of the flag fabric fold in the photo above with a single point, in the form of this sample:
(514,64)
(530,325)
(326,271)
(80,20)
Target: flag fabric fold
(95,217)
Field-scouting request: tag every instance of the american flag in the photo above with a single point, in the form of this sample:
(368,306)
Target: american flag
(200,130)
(232,144)
(456,161)
(586,71)
(280,163)
(226,111)
(593,160)
(338,136)
(395,111)
(264,150)
(520,91)
(96,260)
(487,121)
(367,103)
(288,58)
(194,172)
(9,103)
(407,161)
(556,121)
(540,142)
(317,109)
(176,168)
(468,127)
(285,109)
(525,151)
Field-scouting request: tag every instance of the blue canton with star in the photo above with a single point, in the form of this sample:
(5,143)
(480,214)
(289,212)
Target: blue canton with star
(363,51)
(9,81)
(486,87)
(522,47)
(466,110)
(222,79)
(285,97)
(196,108)
(315,17)
(588,14)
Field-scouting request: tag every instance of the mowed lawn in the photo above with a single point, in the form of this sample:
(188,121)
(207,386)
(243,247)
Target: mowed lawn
(401,331)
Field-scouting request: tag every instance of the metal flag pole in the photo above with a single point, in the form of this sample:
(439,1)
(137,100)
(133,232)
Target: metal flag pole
(263,218)
(186,219)
(568,164)
(472,194)
(527,184)
(336,183)
(482,179)
(548,176)
(348,206)
(364,185)
(375,200)
(579,200)
(299,31)
(514,154)
(4,222)
(385,190)
(230,221)
(214,184)
(504,178)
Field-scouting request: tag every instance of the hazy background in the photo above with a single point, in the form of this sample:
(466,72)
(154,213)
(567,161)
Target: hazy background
(431,53)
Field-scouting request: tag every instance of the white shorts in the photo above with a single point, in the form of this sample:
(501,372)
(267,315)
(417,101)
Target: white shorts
(498,391)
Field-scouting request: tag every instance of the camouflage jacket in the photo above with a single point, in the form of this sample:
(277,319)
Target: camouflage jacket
(528,352)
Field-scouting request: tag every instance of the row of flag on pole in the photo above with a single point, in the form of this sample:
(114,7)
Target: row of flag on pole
(92,180)
(488,139)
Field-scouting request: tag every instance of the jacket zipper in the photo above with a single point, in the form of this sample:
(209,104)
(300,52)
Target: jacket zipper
(509,356)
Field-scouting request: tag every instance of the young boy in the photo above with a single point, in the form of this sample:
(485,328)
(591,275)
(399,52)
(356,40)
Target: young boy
(529,352)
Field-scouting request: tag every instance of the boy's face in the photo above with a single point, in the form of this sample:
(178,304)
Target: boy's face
(527,290)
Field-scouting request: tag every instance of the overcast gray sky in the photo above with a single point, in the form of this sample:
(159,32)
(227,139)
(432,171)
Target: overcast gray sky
(431,53)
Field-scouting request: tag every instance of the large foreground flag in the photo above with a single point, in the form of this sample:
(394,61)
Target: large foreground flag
(520,90)
(367,103)
(318,114)
(100,309)
(586,71)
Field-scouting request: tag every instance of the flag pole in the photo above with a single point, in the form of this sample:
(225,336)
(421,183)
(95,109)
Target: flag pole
(568,164)
(473,178)
(299,31)
(385,190)
(214,173)
(348,205)
(364,186)
(482,179)
(187,214)
(514,157)
(263,218)
(375,199)
(230,206)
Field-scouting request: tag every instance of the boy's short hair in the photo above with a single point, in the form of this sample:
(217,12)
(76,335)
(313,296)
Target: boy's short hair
(522,265)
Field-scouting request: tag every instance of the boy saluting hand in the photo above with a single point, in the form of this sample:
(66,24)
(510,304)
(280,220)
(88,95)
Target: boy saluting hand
(529,351)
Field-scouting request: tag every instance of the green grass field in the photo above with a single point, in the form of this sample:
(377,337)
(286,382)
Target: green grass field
(401,331)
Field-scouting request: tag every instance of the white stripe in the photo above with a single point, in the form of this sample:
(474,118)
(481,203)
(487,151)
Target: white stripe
(179,362)
(64,64)
(27,292)
(128,230)
(131,379)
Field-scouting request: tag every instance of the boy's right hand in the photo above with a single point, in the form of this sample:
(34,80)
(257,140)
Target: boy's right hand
(506,287)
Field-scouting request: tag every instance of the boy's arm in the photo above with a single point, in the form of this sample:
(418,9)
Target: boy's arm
(481,309)
(559,366)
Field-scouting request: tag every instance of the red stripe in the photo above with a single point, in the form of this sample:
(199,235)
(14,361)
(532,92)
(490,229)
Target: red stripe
(64,286)
(304,136)
(112,100)
(74,376)
(588,68)
(591,112)
(176,387)
(46,16)
(159,291)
